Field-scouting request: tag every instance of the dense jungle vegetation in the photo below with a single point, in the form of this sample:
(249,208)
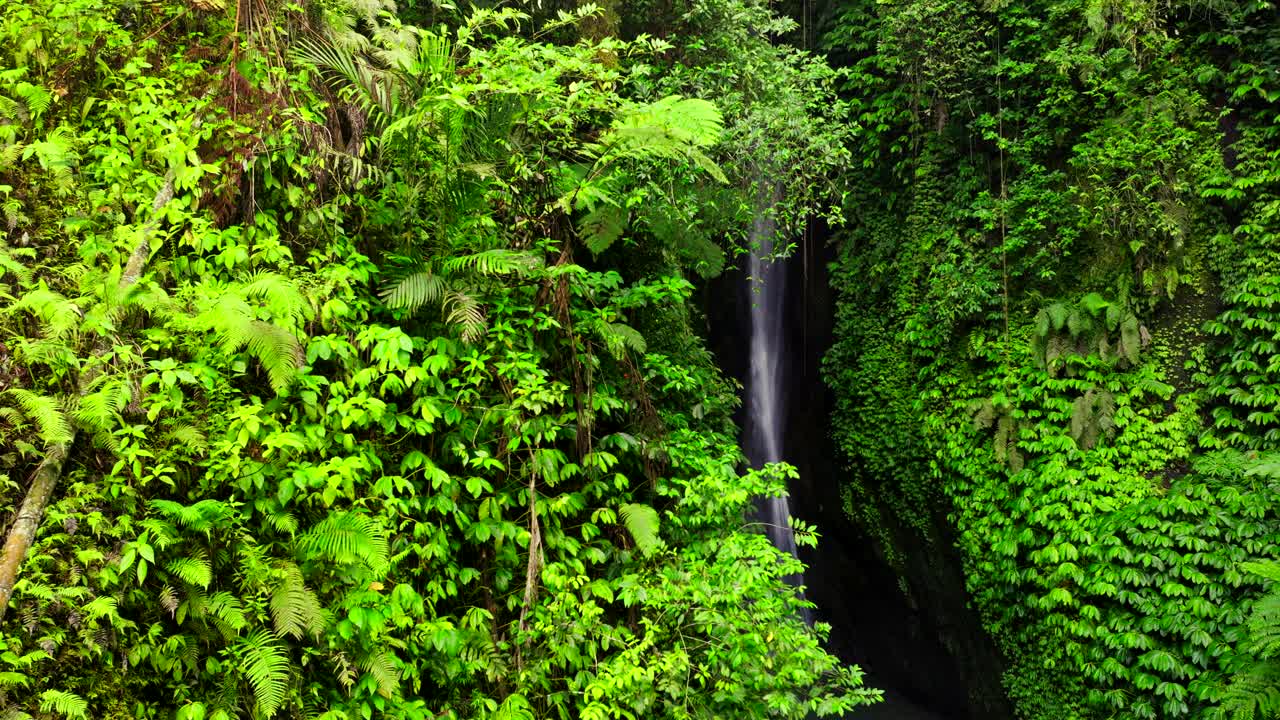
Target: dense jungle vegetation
(349,368)
(353,354)
(1057,334)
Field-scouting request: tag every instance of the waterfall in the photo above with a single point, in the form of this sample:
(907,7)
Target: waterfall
(766,409)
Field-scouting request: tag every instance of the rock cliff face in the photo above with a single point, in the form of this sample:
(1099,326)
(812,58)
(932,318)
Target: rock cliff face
(894,593)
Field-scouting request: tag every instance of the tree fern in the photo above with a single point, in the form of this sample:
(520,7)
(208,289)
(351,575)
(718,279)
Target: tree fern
(642,523)
(671,124)
(64,703)
(602,226)
(266,667)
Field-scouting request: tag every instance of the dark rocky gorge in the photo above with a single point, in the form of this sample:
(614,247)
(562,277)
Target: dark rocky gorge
(906,621)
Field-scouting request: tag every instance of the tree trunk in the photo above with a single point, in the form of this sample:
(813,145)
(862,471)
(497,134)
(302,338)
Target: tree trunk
(27,522)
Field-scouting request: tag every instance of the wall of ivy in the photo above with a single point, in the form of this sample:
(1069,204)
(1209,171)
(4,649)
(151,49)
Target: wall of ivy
(1057,328)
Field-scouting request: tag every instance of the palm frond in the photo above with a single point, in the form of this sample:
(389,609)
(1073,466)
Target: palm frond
(373,90)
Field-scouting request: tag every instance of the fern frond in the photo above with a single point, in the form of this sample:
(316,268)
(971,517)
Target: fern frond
(11,109)
(707,165)
(47,414)
(618,337)
(1269,570)
(495,262)
(601,227)
(56,154)
(99,410)
(465,311)
(194,570)
(1057,314)
(678,121)
(266,667)
(347,538)
(64,703)
(278,351)
(276,348)
(14,713)
(36,98)
(169,599)
(202,516)
(282,297)
(224,609)
(382,667)
(1130,338)
(642,523)
(414,290)
(10,264)
(58,315)
(295,609)
(188,436)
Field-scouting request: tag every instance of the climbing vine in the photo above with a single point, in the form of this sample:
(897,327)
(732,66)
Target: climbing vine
(1054,332)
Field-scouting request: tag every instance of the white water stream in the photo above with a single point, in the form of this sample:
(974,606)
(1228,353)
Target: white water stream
(766,401)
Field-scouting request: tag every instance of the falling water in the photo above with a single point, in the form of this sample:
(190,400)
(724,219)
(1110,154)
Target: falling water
(766,411)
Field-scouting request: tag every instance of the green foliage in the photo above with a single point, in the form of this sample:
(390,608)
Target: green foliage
(64,703)
(1049,190)
(266,669)
(1253,690)
(371,437)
